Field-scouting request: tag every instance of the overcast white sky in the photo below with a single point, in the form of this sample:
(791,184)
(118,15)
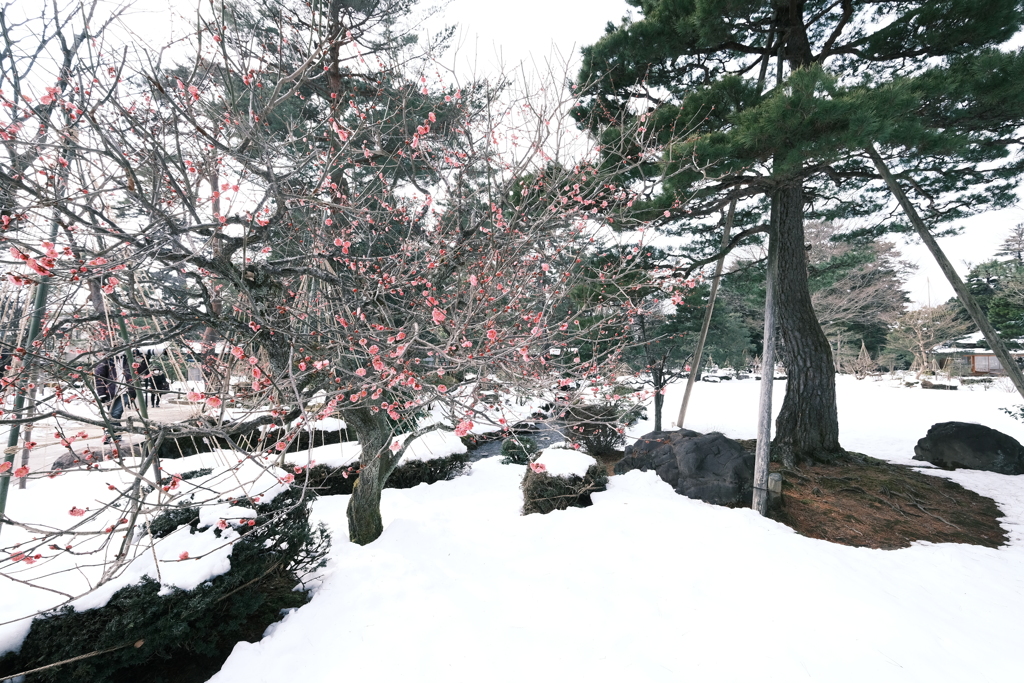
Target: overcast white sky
(492,33)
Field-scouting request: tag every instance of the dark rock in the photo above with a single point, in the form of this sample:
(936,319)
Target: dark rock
(69,460)
(972,446)
(184,446)
(709,467)
(925,384)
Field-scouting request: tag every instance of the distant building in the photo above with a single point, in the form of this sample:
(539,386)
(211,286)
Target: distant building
(969,357)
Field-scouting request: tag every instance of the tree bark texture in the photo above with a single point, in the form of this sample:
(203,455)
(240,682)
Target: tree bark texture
(376,463)
(807,429)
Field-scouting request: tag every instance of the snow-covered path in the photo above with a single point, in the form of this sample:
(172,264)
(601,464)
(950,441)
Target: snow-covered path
(650,586)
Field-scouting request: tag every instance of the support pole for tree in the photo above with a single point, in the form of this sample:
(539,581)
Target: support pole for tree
(34,327)
(764,411)
(25,451)
(707,315)
(977,315)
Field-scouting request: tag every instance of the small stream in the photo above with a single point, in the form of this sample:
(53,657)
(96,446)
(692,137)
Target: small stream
(546,434)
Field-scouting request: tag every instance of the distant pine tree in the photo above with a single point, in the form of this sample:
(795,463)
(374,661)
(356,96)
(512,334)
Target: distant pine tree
(1014,244)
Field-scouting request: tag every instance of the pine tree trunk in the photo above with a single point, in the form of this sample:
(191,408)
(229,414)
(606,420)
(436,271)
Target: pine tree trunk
(808,426)
(376,463)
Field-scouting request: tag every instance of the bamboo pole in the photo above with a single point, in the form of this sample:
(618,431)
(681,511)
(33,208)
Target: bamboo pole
(719,266)
(23,483)
(977,315)
(34,327)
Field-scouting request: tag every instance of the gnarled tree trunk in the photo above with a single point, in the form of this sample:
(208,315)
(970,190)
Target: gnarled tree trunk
(808,426)
(376,463)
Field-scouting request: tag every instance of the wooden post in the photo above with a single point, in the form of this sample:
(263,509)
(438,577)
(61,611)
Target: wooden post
(977,315)
(719,266)
(27,434)
(34,329)
(764,415)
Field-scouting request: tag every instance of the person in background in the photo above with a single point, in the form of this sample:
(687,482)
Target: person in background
(113,386)
(141,369)
(158,378)
(160,386)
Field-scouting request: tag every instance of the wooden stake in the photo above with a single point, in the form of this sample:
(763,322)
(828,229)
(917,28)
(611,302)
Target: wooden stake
(764,413)
(707,315)
(977,315)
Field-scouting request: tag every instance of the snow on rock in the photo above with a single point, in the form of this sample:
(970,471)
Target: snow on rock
(561,462)
(329,424)
(340,454)
(439,443)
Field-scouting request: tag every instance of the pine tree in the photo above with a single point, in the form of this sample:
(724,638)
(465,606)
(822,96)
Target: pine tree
(1013,245)
(775,102)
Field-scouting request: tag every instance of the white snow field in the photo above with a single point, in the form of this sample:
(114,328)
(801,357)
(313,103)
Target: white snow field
(646,585)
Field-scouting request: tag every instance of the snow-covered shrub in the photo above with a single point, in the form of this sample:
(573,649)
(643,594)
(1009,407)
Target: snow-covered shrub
(560,479)
(415,472)
(516,450)
(252,440)
(601,427)
(176,635)
(338,479)
(170,520)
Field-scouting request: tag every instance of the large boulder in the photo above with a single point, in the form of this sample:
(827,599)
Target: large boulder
(709,467)
(972,446)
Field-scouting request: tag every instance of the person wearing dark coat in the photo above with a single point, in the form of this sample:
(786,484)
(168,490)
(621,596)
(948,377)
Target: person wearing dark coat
(141,368)
(113,386)
(160,386)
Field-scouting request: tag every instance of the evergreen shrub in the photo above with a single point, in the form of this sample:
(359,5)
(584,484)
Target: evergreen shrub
(169,520)
(185,635)
(415,472)
(516,450)
(184,446)
(333,481)
(600,427)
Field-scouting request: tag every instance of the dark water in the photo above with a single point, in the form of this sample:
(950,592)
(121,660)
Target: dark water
(547,433)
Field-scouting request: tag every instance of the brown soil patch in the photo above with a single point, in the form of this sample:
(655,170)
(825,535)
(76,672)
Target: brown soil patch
(861,501)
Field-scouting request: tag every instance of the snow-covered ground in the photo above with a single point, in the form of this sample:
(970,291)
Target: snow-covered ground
(649,586)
